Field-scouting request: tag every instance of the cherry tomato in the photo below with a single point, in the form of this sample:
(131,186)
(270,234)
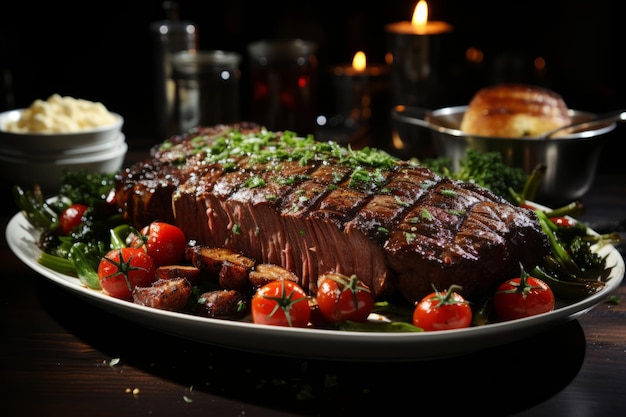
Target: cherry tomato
(164,242)
(121,270)
(341,298)
(562,221)
(522,297)
(281,303)
(443,311)
(71,217)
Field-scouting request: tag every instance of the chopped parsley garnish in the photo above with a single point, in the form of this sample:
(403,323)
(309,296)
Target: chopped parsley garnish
(448,193)
(400,202)
(264,147)
(255,181)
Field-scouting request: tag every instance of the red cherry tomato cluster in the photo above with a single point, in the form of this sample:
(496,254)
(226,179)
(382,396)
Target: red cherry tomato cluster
(339,298)
(123,269)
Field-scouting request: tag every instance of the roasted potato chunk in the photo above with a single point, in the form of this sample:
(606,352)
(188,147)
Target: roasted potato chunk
(179,271)
(222,304)
(212,259)
(165,294)
(234,276)
(264,273)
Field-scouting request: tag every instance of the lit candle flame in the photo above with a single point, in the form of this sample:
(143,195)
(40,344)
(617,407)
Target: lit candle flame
(420,14)
(359,61)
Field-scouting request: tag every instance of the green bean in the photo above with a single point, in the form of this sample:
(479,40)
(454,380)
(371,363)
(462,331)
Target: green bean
(34,208)
(56,263)
(573,209)
(559,252)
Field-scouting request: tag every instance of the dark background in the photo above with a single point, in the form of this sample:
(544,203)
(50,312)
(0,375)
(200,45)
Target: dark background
(102,51)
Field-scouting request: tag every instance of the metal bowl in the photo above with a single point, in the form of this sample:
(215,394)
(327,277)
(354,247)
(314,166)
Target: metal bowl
(570,160)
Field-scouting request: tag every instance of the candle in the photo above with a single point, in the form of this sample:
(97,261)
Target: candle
(360,68)
(415,49)
(355,84)
(419,24)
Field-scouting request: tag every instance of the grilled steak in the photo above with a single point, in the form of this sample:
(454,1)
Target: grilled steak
(314,207)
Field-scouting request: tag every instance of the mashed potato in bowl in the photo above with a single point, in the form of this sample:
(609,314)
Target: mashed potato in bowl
(60,114)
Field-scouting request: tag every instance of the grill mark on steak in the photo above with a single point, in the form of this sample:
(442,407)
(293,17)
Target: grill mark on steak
(378,216)
(469,238)
(301,198)
(400,229)
(339,206)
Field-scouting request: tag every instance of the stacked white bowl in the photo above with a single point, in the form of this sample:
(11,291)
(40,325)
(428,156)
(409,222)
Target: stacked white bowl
(27,158)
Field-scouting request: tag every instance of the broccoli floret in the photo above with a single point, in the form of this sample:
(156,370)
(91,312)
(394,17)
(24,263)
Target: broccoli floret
(81,187)
(590,263)
(486,169)
(441,166)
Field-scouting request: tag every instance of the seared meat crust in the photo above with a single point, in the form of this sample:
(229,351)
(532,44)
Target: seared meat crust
(314,208)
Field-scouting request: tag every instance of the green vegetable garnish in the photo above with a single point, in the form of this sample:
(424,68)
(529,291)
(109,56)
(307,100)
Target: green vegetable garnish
(486,169)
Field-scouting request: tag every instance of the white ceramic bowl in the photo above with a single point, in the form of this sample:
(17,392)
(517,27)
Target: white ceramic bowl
(74,143)
(25,172)
(81,153)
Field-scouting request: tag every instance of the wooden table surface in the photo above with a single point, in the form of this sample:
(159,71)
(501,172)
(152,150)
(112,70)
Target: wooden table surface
(62,356)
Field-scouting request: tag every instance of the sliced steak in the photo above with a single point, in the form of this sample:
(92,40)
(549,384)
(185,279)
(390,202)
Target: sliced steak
(461,234)
(315,208)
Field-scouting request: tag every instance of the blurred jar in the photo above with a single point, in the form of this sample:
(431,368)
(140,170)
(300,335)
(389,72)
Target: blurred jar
(284,76)
(207,88)
(7,99)
(169,36)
